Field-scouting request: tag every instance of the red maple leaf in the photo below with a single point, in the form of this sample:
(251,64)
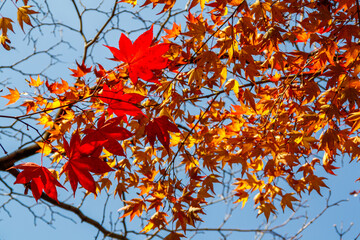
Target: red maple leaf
(160,128)
(121,103)
(142,58)
(101,72)
(81,70)
(40,179)
(107,135)
(83,159)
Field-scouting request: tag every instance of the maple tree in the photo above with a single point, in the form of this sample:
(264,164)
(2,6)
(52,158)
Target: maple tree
(264,93)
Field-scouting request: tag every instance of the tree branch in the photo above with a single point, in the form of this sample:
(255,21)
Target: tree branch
(77,212)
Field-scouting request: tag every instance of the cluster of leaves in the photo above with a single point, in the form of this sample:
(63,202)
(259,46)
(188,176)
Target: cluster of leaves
(23,13)
(277,114)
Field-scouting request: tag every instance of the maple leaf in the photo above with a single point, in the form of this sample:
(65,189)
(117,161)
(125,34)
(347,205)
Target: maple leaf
(81,70)
(30,105)
(5,24)
(101,72)
(159,128)
(168,4)
(209,181)
(142,58)
(158,220)
(13,96)
(243,197)
(355,118)
(275,78)
(315,183)
(328,164)
(231,84)
(35,83)
(23,15)
(4,40)
(121,103)
(40,179)
(287,200)
(57,88)
(132,208)
(46,120)
(329,141)
(80,164)
(174,236)
(266,209)
(174,32)
(197,28)
(196,2)
(45,148)
(107,135)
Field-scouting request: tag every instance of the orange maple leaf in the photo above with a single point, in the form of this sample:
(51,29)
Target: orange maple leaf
(30,105)
(174,32)
(132,208)
(81,70)
(23,15)
(35,83)
(355,118)
(5,24)
(13,96)
(57,88)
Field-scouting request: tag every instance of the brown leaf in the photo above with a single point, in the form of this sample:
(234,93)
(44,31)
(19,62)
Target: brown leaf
(5,24)
(23,15)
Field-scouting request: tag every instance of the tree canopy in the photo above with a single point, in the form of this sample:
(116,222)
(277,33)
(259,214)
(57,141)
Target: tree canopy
(261,94)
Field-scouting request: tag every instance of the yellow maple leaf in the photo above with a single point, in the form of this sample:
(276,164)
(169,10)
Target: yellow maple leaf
(196,2)
(35,83)
(45,148)
(266,209)
(13,96)
(46,120)
(158,220)
(231,84)
(4,40)
(174,32)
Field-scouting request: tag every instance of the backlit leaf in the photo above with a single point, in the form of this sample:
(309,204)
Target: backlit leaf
(23,15)
(13,96)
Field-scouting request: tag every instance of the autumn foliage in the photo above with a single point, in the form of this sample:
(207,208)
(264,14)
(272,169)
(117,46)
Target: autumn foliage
(23,16)
(270,90)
